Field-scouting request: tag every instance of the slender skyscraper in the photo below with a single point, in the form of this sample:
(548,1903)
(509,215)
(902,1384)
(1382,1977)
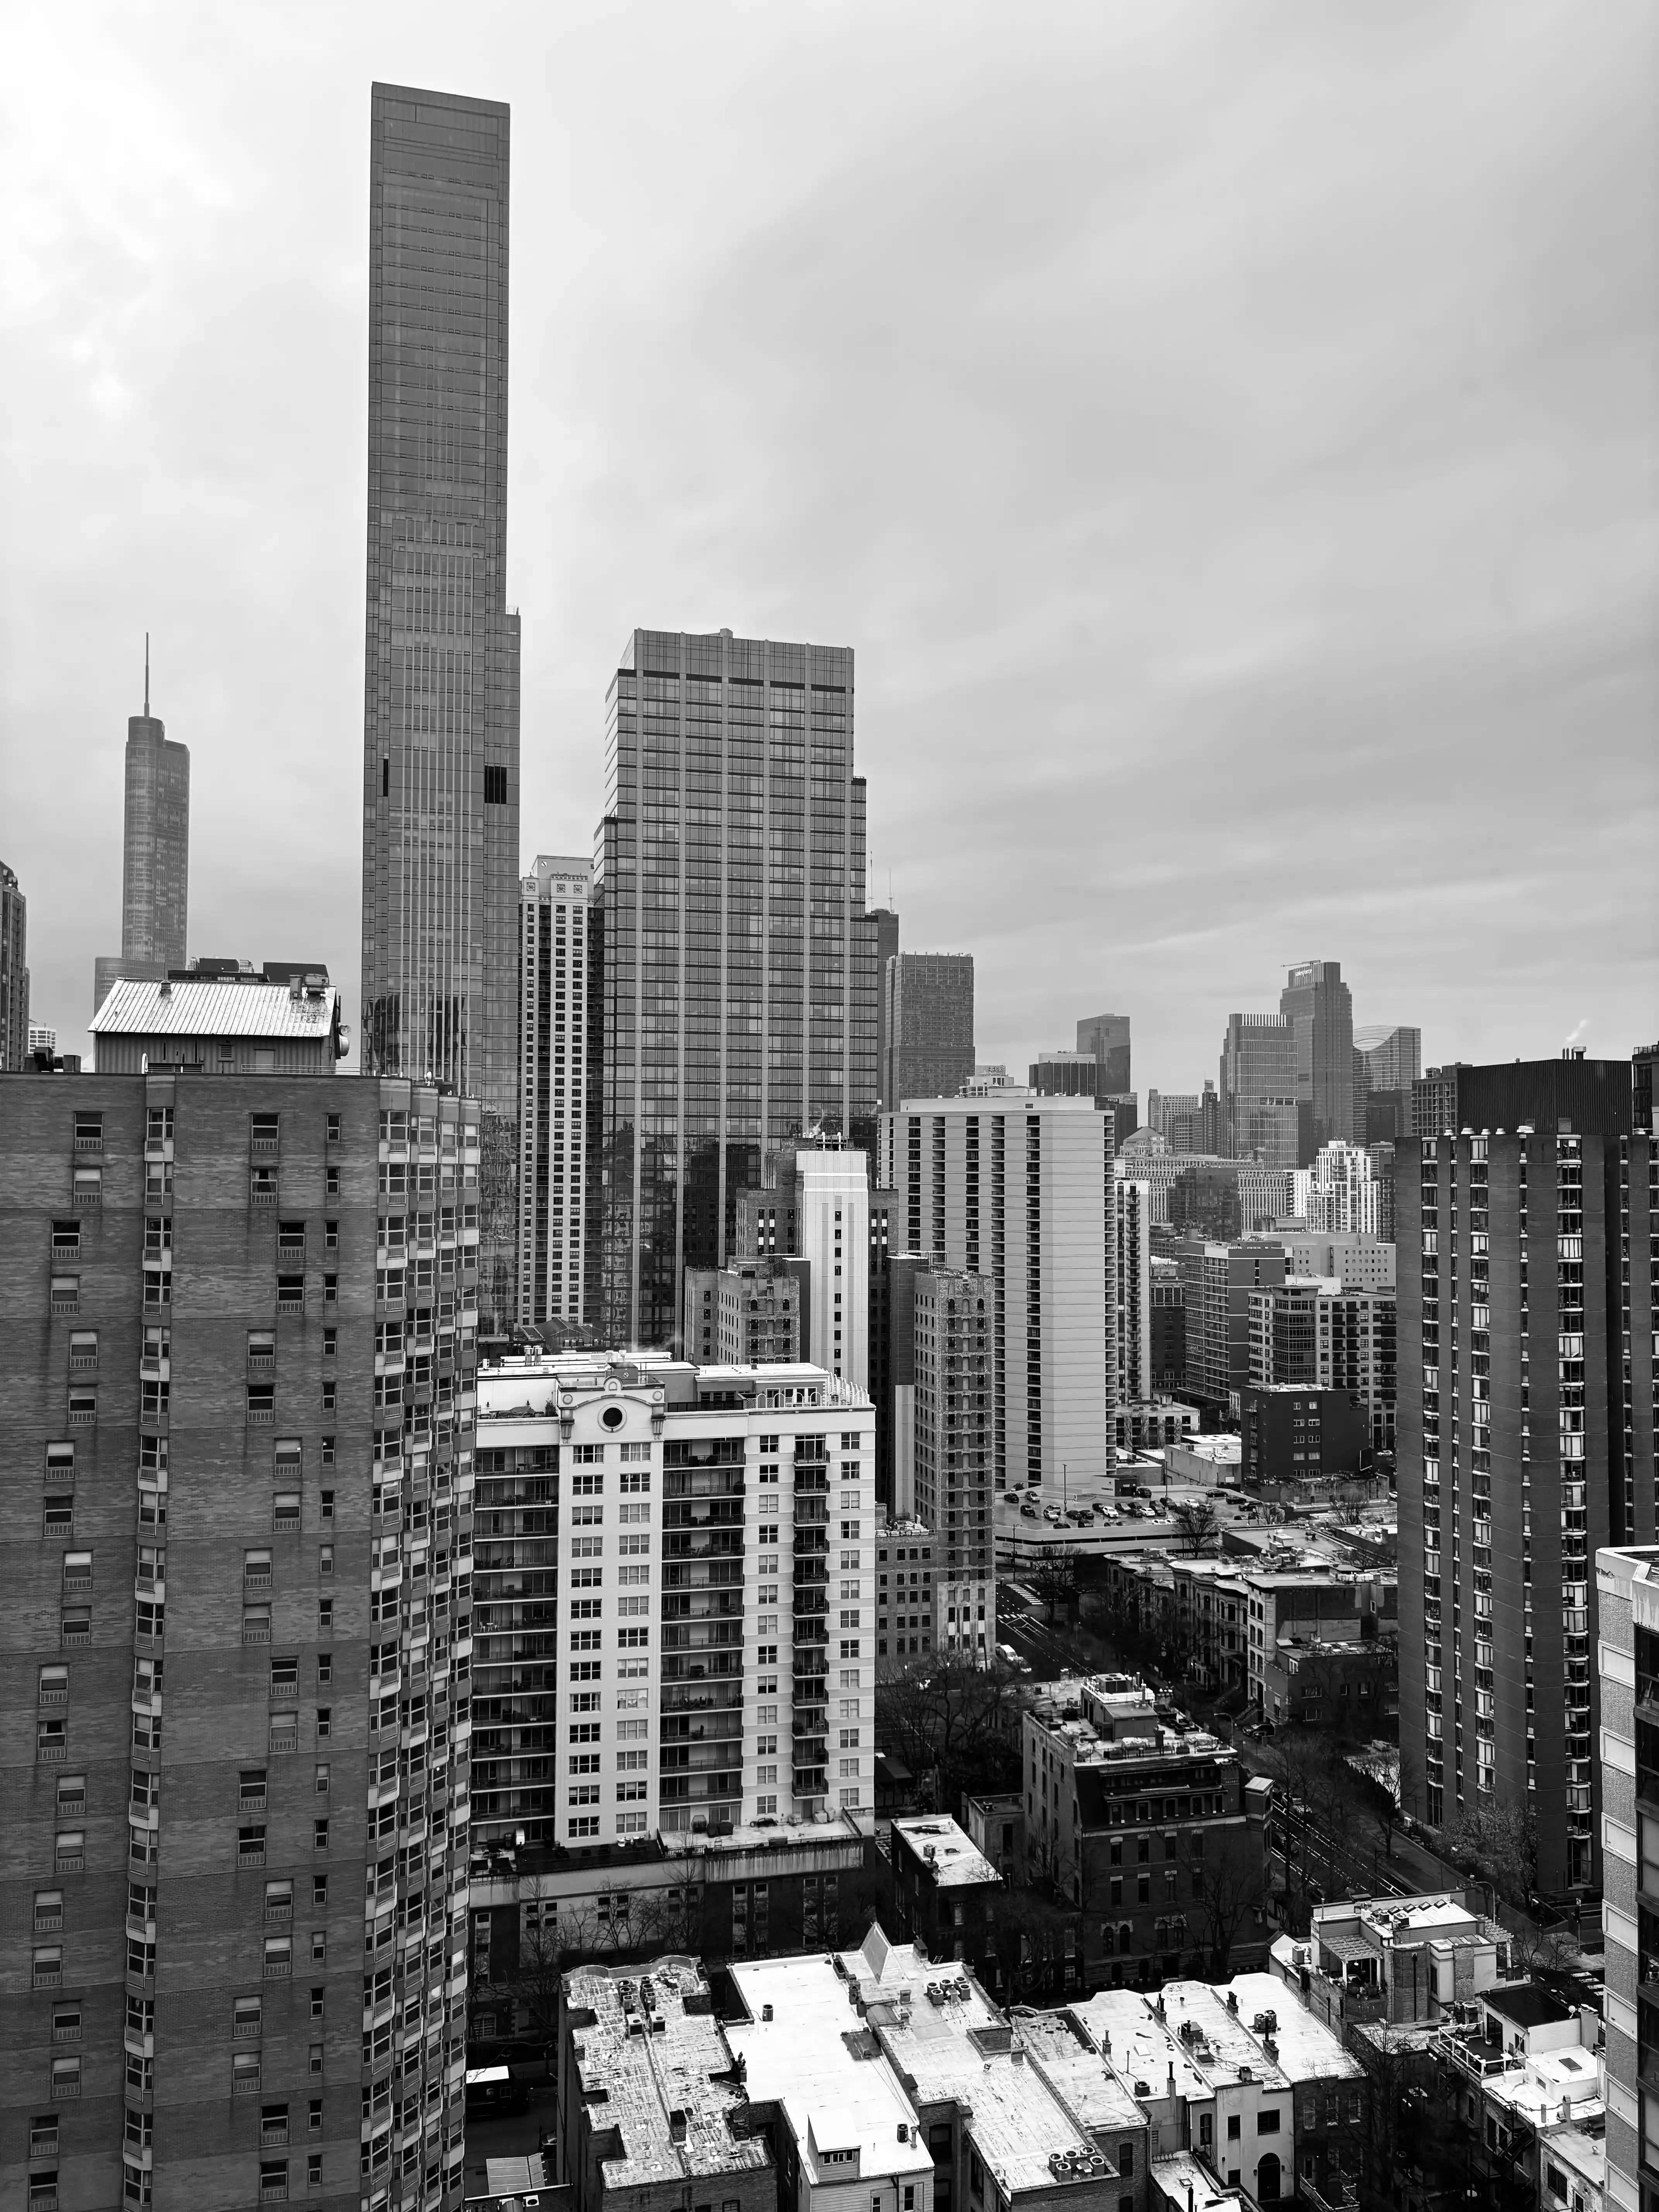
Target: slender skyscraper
(441,710)
(553,951)
(154,854)
(739,964)
(13,972)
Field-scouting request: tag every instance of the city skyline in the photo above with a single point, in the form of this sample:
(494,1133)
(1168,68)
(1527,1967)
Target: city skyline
(1230,669)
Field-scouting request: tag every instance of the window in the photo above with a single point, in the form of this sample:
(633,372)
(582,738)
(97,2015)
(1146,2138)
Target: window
(285,1512)
(1267,2121)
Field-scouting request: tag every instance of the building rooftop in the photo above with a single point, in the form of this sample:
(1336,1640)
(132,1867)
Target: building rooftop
(527,1387)
(654,2063)
(1071,2066)
(220,1007)
(955,1859)
(1183,2182)
(943,2034)
(1523,2004)
(806,2049)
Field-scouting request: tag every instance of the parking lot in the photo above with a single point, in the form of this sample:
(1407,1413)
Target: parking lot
(1089,1515)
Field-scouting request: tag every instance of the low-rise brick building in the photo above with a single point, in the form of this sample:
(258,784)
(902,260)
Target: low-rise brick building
(653,2115)
(1154,1833)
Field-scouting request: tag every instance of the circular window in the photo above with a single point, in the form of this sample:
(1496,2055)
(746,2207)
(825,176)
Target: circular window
(612,1418)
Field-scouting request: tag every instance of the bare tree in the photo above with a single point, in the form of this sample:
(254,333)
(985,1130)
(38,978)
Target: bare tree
(1055,1580)
(1501,1837)
(1225,1887)
(1198,1524)
(954,1717)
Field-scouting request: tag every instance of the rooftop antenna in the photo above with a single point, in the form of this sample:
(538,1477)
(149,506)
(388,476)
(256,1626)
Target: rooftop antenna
(147,676)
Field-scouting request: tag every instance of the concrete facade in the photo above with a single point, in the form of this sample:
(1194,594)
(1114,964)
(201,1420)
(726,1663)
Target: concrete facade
(1018,1188)
(555,1052)
(675,1618)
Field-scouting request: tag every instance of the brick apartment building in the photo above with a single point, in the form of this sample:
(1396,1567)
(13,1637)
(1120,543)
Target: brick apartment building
(235,1385)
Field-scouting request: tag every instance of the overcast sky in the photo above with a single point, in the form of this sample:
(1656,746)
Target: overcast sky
(1226,434)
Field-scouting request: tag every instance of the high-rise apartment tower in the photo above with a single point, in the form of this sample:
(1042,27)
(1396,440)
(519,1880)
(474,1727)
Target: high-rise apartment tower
(1018,1188)
(740,974)
(554,1056)
(441,690)
(1525,1437)
(236,1378)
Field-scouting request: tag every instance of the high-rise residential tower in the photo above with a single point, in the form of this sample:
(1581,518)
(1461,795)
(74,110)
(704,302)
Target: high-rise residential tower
(1317,1003)
(1526,1303)
(1018,1188)
(1106,1038)
(441,693)
(738,998)
(154,855)
(236,1385)
(14,973)
(554,1057)
(929,1011)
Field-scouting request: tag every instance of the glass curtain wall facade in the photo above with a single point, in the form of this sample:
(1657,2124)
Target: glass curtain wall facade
(738,1003)
(1317,1003)
(1258,1089)
(440,722)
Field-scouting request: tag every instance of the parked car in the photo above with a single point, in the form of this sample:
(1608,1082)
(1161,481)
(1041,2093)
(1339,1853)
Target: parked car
(1052,1513)
(1028,1511)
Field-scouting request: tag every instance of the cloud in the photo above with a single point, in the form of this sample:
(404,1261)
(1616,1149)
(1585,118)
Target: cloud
(1227,438)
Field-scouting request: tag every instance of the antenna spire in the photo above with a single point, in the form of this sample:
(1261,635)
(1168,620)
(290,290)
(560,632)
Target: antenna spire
(147,676)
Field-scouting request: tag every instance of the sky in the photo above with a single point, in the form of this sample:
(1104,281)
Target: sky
(1229,438)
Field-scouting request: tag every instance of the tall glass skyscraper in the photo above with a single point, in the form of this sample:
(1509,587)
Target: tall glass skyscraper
(441,710)
(739,995)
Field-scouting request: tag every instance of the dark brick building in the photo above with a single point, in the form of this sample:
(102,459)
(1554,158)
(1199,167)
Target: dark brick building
(235,1417)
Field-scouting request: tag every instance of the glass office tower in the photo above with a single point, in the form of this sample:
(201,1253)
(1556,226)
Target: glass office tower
(440,719)
(739,994)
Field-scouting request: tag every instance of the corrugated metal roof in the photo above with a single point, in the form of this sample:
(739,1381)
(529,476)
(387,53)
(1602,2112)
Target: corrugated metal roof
(212,1009)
